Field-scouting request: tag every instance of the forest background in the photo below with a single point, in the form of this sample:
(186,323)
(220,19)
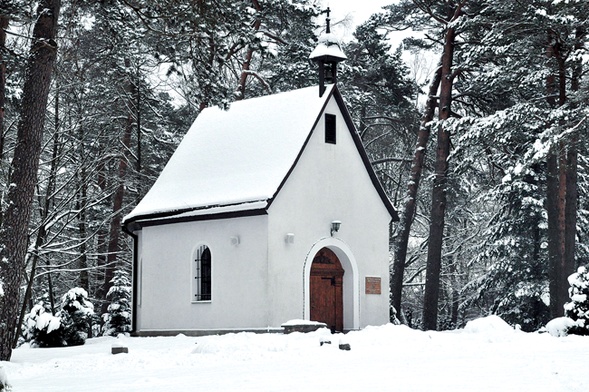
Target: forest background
(486,159)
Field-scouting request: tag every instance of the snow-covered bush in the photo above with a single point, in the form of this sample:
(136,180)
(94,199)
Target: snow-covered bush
(558,327)
(69,327)
(525,308)
(578,309)
(4,386)
(76,316)
(118,319)
(41,328)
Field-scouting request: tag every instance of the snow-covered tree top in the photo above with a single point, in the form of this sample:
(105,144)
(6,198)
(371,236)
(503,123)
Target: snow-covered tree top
(235,159)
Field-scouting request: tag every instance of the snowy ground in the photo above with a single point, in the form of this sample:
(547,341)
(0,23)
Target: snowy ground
(485,356)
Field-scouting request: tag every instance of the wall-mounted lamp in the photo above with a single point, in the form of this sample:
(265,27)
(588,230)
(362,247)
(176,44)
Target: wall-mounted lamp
(335,225)
(289,238)
(235,240)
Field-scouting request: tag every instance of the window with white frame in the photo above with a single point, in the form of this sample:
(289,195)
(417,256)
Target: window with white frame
(201,271)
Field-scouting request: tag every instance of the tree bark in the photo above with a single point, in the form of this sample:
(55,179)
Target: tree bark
(561,197)
(572,165)
(3,26)
(438,208)
(408,215)
(25,163)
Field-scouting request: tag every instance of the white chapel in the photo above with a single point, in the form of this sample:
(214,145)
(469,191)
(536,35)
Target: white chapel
(267,212)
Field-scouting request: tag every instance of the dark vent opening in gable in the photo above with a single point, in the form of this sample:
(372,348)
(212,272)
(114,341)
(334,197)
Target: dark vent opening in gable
(330,135)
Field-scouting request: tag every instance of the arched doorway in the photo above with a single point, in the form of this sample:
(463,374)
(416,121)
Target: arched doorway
(326,290)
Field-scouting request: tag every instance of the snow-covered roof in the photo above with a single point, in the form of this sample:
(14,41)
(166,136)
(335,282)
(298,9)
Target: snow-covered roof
(230,158)
(328,47)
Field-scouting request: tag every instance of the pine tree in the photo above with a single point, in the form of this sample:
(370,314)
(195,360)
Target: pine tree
(118,319)
(443,20)
(527,140)
(76,316)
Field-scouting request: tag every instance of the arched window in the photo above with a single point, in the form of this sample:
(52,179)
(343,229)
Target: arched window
(201,286)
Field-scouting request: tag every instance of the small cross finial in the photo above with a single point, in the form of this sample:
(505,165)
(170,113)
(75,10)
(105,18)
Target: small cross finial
(327,20)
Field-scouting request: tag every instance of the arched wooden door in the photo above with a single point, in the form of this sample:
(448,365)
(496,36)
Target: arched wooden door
(326,290)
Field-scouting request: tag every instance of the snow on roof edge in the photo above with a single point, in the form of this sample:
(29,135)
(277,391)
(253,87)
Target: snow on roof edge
(204,211)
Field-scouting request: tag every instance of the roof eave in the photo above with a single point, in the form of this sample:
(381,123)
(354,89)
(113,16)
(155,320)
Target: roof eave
(138,222)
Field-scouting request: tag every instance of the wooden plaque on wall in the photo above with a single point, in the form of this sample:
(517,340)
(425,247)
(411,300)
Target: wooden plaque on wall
(372,285)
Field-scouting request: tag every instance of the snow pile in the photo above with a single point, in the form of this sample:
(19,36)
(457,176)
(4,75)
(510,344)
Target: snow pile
(492,326)
(559,326)
(291,323)
(381,358)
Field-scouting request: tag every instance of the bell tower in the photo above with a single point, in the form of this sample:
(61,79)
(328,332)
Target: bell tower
(327,54)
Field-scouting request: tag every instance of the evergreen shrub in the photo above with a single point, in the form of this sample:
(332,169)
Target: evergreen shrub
(69,327)
(41,328)
(578,308)
(76,316)
(118,319)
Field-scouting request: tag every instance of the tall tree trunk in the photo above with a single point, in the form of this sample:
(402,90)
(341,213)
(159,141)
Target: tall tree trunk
(115,223)
(25,163)
(81,201)
(101,236)
(3,26)
(572,165)
(455,293)
(551,195)
(438,208)
(561,197)
(81,198)
(408,213)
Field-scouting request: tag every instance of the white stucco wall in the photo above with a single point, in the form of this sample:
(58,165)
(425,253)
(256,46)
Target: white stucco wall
(329,183)
(239,275)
